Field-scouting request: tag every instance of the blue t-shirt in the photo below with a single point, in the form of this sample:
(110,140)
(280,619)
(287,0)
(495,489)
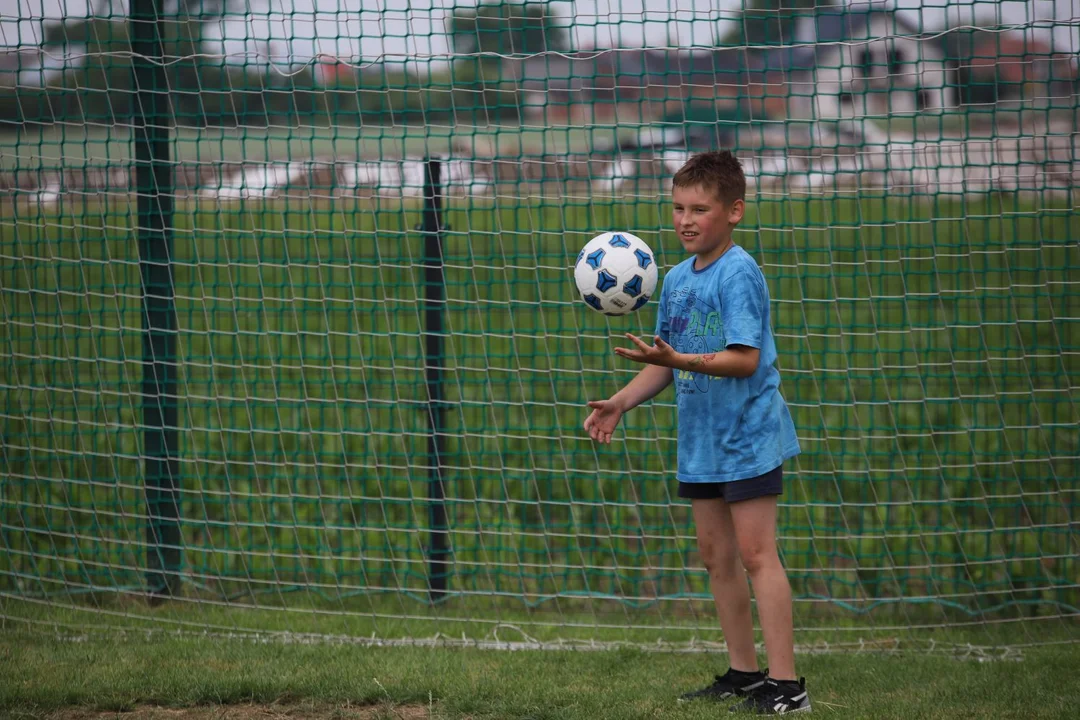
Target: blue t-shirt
(729,428)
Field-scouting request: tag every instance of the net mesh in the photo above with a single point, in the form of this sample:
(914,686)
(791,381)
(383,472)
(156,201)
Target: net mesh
(911,202)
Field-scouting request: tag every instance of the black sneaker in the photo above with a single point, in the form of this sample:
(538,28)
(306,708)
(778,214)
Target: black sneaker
(731,684)
(776,698)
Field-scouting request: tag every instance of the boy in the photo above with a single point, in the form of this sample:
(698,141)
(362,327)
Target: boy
(713,337)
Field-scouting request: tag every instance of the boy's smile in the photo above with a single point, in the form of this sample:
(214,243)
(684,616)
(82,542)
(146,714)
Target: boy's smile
(704,222)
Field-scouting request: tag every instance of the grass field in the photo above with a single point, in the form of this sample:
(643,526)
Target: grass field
(930,356)
(170,677)
(119,655)
(112,656)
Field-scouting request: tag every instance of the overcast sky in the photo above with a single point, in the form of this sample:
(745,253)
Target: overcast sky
(399,29)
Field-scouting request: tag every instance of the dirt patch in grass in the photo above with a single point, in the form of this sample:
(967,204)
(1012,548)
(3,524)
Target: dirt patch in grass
(253,711)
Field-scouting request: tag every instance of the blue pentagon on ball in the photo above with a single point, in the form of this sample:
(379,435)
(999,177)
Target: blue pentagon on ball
(643,258)
(619,241)
(641,301)
(595,258)
(605,281)
(594,302)
(632,287)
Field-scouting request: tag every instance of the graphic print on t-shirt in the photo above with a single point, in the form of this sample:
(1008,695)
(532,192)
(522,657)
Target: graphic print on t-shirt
(695,328)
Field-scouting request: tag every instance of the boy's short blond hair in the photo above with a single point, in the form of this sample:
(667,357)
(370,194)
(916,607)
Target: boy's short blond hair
(719,172)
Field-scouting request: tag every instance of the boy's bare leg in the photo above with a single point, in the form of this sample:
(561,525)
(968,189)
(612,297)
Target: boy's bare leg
(755,529)
(727,580)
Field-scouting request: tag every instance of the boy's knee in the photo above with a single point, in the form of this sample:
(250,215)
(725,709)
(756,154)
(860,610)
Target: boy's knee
(720,563)
(759,557)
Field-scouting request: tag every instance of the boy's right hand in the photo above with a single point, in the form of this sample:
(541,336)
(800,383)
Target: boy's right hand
(603,419)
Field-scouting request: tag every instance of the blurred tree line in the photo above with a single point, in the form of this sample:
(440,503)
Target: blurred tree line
(96,85)
(770,22)
(478,86)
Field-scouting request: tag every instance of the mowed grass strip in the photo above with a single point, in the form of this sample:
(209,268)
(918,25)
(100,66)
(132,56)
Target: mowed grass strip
(197,678)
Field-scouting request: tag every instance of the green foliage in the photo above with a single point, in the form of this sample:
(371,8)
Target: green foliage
(100,88)
(507,28)
(770,22)
(207,91)
(482,93)
(485,35)
(394,97)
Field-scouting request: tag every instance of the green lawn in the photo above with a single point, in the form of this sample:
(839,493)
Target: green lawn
(43,676)
(930,356)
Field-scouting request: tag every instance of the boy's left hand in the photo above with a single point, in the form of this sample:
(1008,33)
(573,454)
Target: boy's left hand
(659,354)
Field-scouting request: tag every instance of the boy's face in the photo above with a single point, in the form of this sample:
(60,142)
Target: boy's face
(703,221)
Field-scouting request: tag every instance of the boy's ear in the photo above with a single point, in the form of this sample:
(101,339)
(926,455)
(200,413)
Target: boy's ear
(736,212)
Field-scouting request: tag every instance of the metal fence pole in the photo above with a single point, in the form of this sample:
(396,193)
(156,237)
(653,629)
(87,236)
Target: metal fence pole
(434,303)
(154,207)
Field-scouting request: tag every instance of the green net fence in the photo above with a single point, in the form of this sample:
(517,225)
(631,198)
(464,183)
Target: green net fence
(911,202)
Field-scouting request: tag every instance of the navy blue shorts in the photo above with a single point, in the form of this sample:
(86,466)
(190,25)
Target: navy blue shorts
(771,483)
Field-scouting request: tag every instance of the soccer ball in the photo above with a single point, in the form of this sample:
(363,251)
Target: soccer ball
(615,273)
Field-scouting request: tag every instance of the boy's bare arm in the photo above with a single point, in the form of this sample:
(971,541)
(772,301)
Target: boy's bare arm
(646,385)
(739,361)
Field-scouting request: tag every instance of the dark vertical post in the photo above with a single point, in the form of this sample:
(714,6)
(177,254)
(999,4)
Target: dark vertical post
(154,207)
(434,302)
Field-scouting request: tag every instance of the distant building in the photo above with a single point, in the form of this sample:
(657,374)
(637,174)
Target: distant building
(994,67)
(628,85)
(863,60)
(859,60)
